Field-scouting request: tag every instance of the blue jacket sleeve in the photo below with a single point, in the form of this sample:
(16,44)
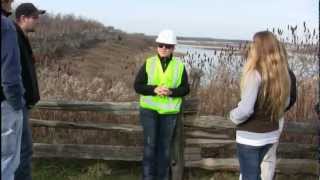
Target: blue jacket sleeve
(11,80)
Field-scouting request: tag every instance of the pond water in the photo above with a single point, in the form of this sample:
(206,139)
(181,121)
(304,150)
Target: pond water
(210,57)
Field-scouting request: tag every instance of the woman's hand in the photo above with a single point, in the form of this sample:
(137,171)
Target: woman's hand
(162,91)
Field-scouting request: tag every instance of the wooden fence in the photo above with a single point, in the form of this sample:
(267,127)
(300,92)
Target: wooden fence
(194,137)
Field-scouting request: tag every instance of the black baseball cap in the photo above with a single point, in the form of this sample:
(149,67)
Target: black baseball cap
(28,9)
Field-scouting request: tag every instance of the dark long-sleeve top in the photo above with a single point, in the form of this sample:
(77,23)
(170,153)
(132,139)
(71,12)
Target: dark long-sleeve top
(141,82)
(28,70)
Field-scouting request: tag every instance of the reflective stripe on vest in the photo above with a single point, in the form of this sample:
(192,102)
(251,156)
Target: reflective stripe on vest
(153,67)
(163,105)
(168,106)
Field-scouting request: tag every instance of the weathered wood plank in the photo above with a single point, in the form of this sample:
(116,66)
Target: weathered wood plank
(209,142)
(110,107)
(284,166)
(115,107)
(111,126)
(297,166)
(178,144)
(87,152)
(103,152)
(227,164)
(285,150)
(206,135)
(214,122)
(290,150)
(299,127)
(218,122)
(75,125)
(125,153)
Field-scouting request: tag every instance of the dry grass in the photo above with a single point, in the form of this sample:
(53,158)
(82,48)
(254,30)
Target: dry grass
(70,69)
(58,35)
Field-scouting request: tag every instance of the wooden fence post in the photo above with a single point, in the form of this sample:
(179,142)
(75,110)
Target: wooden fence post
(178,144)
(195,78)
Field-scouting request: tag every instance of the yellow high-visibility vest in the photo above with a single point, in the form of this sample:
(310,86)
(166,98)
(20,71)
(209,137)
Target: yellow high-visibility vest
(171,78)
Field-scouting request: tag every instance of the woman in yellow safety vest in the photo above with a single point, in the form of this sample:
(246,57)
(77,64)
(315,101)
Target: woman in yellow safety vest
(161,82)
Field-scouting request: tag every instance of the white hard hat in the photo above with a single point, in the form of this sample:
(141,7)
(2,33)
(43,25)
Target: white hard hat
(167,37)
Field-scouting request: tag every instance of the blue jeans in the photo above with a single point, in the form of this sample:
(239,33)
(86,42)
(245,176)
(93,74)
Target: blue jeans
(158,132)
(24,170)
(250,158)
(11,130)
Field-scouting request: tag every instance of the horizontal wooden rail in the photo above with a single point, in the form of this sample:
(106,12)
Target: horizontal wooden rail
(193,138)
(190,107)
(208,122)
(122,108)
(103,152)
(85,126)
(285,150)
(218,122)
(87,106)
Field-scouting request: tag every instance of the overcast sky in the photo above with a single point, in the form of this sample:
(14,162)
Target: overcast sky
(229,19)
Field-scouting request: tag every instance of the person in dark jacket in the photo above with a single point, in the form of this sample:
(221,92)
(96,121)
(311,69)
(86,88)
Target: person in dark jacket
(161,82)
(27,17)
(12,91)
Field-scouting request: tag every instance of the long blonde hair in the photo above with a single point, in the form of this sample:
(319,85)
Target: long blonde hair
(268,56)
